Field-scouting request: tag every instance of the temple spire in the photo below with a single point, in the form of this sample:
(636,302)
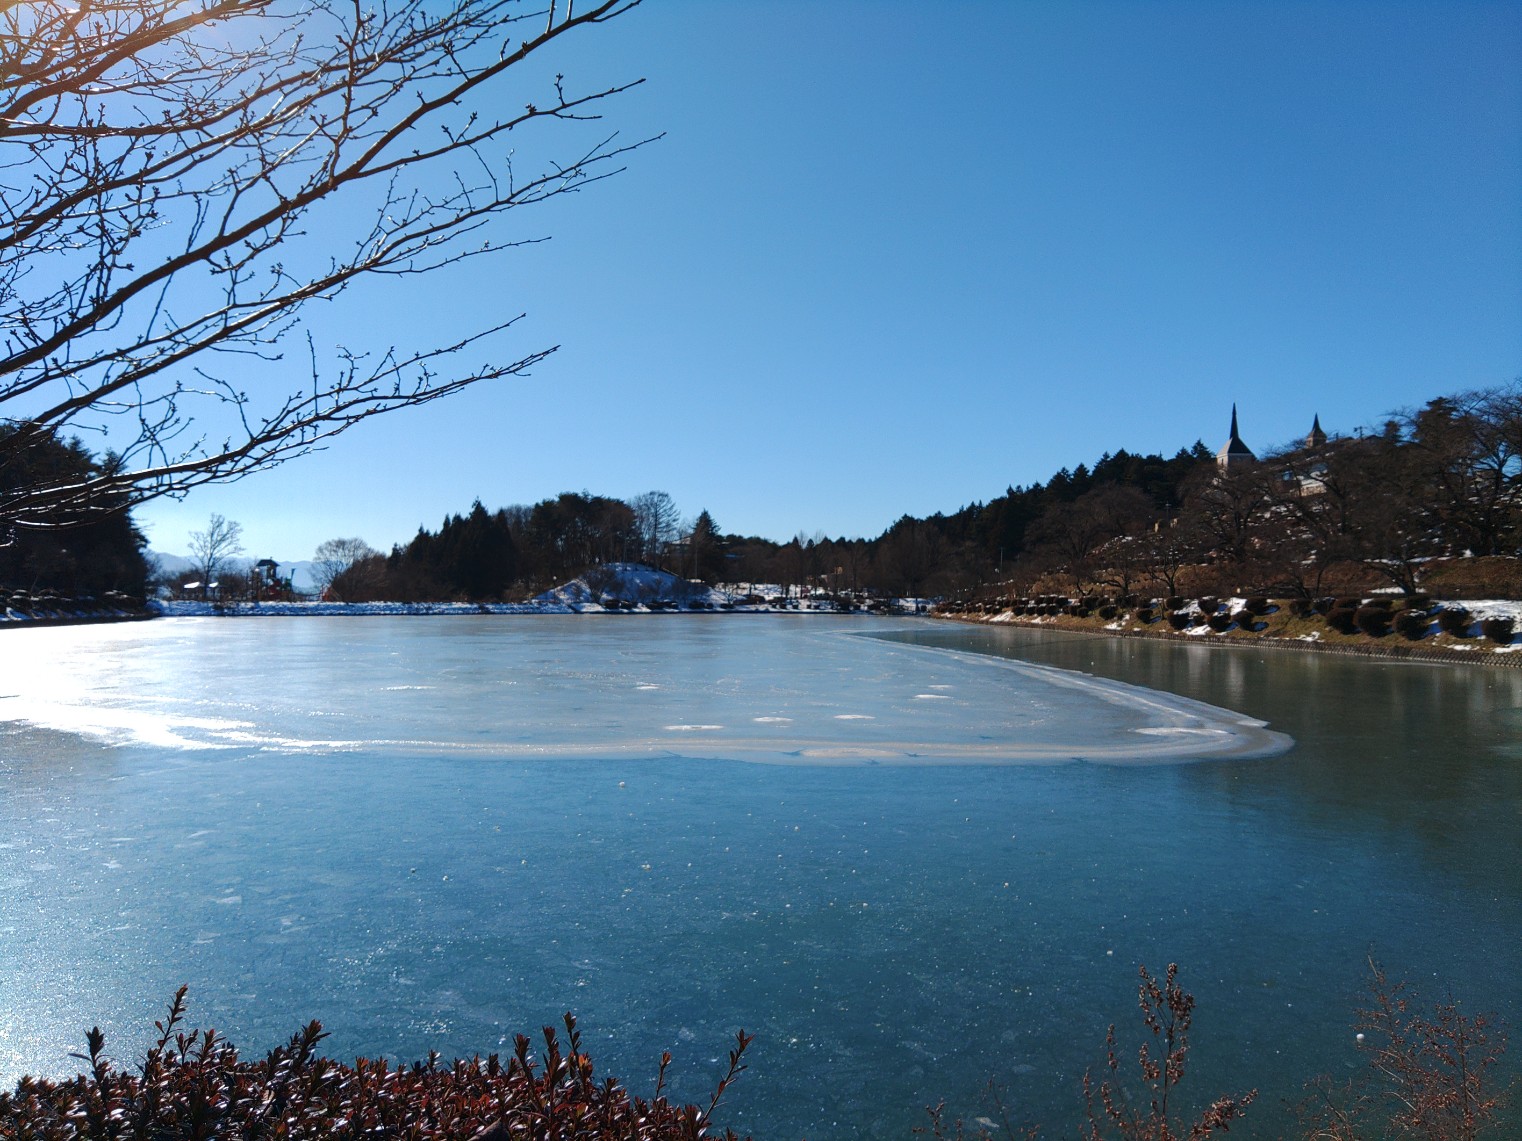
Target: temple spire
(1234,451)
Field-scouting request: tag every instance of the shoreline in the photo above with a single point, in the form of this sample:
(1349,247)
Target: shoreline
(403,610)
(1481,653)
(7,622)
(1471,652)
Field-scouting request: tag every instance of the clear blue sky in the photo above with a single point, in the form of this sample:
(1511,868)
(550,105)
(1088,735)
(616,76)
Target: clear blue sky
(893,257)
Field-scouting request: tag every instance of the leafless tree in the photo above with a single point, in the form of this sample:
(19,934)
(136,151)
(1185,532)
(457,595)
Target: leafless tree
(181,178)
(1082,537)
(1468,450)
(1226,510)
(336,558)
(213,549)
(657,523)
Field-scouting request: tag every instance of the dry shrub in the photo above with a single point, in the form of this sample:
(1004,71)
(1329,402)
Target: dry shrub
(1429,1073)
(192,1086)
(1167,1013)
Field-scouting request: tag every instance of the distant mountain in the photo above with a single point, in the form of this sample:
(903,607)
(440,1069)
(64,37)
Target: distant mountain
(169,564)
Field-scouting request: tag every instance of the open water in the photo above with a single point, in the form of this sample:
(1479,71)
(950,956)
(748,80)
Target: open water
(910,857)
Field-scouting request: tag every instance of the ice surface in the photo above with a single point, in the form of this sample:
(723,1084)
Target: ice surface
(781,690)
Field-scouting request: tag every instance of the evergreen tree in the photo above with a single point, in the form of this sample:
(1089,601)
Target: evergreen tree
(705,550)
(72,553)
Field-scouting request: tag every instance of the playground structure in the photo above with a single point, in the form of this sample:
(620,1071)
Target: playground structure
(268,585)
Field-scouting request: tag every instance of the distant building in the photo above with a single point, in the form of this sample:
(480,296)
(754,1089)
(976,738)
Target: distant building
(1234,453)
(1317,438)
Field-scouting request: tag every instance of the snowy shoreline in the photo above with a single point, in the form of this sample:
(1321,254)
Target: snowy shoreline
(613,588)
(446,609)
(1472,651)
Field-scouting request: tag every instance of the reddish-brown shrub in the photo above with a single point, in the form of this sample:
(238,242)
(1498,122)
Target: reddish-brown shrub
(1429,1073)
(193,1086)
(1167,1012)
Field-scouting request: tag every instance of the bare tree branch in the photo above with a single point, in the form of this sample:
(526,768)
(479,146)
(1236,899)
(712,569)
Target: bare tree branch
(187,175)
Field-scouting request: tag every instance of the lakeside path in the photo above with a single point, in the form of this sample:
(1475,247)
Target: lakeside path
(1470,651)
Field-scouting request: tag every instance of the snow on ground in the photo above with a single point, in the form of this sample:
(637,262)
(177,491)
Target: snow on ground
(613,587)
(1479,610)
(632,583)
(190,609)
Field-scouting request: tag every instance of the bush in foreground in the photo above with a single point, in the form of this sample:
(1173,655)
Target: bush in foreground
(1430,1075)
(192,1086)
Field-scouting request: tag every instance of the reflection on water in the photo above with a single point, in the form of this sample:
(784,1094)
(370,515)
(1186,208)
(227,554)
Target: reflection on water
(893,934)
(1413,751)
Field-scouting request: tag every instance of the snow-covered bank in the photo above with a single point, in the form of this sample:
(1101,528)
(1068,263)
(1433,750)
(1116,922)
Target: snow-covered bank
(186,609)
(616,588)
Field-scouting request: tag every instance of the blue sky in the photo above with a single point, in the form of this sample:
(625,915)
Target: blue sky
(893,257)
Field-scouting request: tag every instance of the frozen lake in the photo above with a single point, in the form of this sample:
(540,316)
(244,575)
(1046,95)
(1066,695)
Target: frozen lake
(434,833)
